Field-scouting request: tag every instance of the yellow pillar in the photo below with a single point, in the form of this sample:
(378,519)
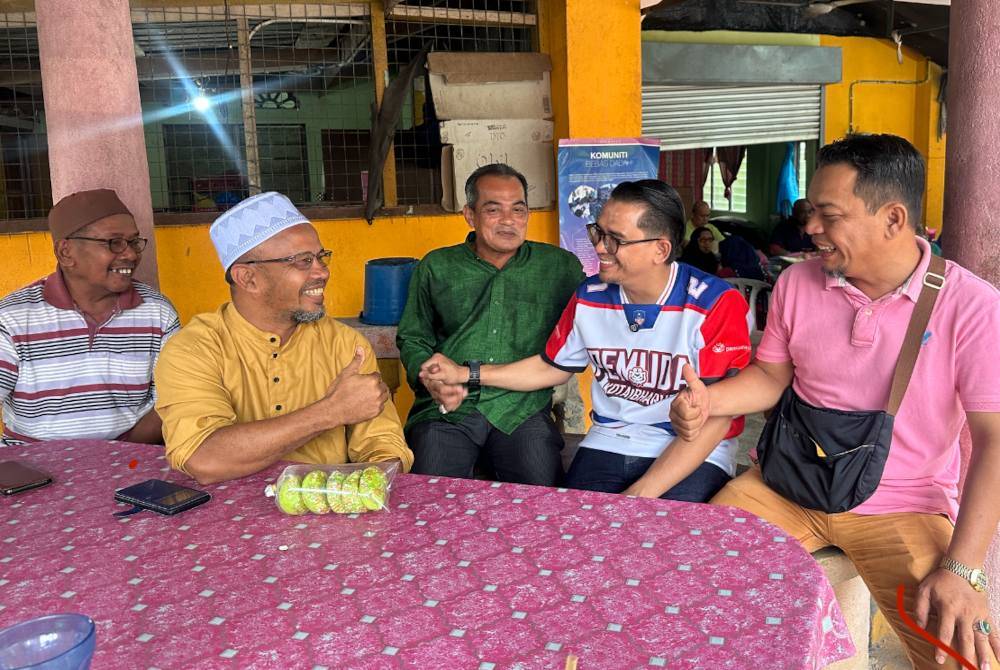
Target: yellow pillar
(596,66)
(928,113)
(596,76)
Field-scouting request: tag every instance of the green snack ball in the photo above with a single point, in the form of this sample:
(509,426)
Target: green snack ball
(337,500)
(349,489)
(372,488)
(290,495)
(315,499)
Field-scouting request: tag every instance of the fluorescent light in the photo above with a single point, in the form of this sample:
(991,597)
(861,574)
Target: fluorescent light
(201,103)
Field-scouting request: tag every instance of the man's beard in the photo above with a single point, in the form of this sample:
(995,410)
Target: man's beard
(836,273)
(305,316)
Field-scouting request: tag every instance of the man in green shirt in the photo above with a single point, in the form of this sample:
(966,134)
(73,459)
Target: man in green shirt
(494,298)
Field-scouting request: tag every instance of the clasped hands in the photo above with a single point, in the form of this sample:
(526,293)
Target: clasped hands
(444,380)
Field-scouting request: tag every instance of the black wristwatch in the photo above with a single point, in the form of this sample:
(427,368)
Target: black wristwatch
(473,382)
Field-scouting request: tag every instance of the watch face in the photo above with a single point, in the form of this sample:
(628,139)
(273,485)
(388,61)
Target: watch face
(978,579)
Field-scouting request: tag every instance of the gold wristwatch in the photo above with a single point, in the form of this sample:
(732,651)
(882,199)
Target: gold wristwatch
(975,576)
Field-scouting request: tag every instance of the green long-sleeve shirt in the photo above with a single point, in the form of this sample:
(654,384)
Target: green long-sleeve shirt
(463,307)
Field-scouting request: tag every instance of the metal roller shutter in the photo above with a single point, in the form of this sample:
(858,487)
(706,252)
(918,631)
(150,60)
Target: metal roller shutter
(686,117)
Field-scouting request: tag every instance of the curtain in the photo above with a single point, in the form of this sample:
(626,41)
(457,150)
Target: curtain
(686,171)
(730,159)
(788,183)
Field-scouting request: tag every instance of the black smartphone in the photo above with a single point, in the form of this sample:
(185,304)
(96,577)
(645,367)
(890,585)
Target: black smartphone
(16,477)
(160,496)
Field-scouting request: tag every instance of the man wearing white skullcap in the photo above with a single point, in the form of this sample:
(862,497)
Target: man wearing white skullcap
(269,376)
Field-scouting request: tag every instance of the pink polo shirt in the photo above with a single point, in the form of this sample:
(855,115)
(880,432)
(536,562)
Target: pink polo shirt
(844,347)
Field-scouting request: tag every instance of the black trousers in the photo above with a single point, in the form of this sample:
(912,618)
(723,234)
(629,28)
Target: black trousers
(529,455)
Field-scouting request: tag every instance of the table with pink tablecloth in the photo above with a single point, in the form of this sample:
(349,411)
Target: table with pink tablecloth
(457,574)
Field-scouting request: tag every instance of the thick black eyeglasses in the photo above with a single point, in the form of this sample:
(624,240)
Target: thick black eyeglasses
(612,243)
(117,244)
(302,261)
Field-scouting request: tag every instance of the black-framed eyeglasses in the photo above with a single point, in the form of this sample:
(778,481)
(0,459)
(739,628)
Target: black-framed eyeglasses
(116,245)
(612,243)
(301,261)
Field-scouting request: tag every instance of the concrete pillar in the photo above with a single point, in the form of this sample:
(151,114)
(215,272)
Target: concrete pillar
(972,199)
(972,173)
(92,113)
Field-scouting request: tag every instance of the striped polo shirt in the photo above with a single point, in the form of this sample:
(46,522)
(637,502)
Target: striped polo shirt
(63,375)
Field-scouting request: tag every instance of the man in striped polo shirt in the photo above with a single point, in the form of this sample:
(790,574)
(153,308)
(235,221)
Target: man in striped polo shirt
(77,348)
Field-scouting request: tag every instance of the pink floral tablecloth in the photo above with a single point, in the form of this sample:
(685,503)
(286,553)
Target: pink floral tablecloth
(458,574)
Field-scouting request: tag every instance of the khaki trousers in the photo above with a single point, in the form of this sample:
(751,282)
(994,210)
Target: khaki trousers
(887,549)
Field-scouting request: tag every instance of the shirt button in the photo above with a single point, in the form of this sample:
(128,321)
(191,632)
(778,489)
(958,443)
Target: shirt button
(274,355)
(277,408)
(274,339)
(277,379)
(491,360)
(868,312)
(494,331)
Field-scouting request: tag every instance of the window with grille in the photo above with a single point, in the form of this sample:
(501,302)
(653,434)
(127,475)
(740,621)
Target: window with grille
(240,97)
(444,25)
(715,190)
(800,167)
(311,68)
(25,188)
(244,98)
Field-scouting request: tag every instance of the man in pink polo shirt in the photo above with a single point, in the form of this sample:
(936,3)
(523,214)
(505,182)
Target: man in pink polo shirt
(834,333)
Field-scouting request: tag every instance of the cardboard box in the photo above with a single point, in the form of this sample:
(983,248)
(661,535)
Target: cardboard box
(495,130)
(535,160)
(490,85)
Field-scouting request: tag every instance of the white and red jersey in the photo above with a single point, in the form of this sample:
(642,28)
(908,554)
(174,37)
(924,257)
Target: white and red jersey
(638,351)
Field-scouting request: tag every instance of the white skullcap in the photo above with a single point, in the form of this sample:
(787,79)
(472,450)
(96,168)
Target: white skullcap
(251,223)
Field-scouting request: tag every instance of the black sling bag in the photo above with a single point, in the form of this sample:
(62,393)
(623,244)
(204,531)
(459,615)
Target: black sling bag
(832,460)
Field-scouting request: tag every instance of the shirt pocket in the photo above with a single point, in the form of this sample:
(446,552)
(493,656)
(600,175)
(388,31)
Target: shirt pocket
(126,377)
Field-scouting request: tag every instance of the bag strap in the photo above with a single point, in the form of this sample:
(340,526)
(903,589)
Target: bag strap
(933,281)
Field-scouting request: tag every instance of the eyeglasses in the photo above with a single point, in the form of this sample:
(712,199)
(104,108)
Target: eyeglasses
(302,261)
(612,243)
(116,245)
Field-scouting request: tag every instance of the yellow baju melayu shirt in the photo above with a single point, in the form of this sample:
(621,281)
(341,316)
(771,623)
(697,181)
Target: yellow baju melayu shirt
(219,370)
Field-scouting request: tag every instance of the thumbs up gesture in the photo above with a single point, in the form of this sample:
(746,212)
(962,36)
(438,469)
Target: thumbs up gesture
(357,397)
(690,409)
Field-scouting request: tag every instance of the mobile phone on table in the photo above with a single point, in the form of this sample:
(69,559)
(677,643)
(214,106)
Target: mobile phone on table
(160,496)
(16,477)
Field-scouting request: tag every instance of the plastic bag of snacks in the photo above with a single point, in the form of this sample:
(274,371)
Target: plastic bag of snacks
(351,488)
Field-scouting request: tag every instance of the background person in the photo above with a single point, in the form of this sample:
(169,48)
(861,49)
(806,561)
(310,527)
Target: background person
(698,253)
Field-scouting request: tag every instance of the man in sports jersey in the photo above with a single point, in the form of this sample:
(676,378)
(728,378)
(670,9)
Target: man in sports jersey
(637,324)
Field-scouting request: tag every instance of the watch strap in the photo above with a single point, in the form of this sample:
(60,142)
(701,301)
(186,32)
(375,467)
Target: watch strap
(473,382)
(976,577)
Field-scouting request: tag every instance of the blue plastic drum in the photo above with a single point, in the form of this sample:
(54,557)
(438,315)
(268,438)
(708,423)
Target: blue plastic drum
(387,282)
